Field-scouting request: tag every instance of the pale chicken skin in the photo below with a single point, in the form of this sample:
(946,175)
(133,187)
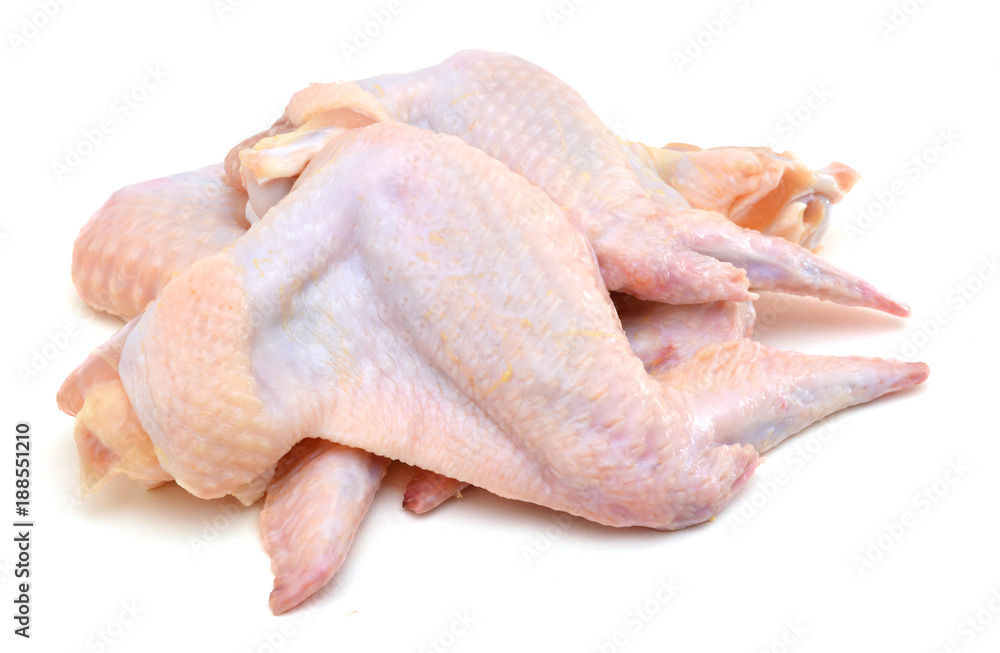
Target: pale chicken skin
(317,499)
(647,239)
(186,216)
(390,324)
(190,216)
(661,335)
(314,505)
(310,326)
(488,402)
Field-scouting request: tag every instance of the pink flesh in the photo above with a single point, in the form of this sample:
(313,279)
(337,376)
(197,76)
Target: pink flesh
(437,448)
(648,241)
(157,228)
(427,490)
(315,503)
(208,302)
(661,338)
(758,395)
(661,335)
(108,435)
(174,214)
(754,187)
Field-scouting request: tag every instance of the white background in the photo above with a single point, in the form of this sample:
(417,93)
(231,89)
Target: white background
(528,578)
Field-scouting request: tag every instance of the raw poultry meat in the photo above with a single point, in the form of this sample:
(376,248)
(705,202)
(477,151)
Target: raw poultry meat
(661,335)
(190,216)
(109,438)
(691,379)
(173,212)
(647,239)
(447,310)
(754,187)
(399,331)
(314,505)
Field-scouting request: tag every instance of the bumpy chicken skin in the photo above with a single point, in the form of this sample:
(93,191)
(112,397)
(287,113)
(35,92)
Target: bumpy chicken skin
(648,240)
(470,348)
(404,295)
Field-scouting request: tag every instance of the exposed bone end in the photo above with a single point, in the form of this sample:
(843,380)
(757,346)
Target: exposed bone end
(843,176)
(108,435)
(284,155)
(232,162)
(754,187)
(792,201)
(262,196)
(110,439)
(314,116)
(347,105)
(98,464)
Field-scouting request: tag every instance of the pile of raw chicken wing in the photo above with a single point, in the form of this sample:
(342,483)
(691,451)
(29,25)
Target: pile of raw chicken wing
(463,269)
